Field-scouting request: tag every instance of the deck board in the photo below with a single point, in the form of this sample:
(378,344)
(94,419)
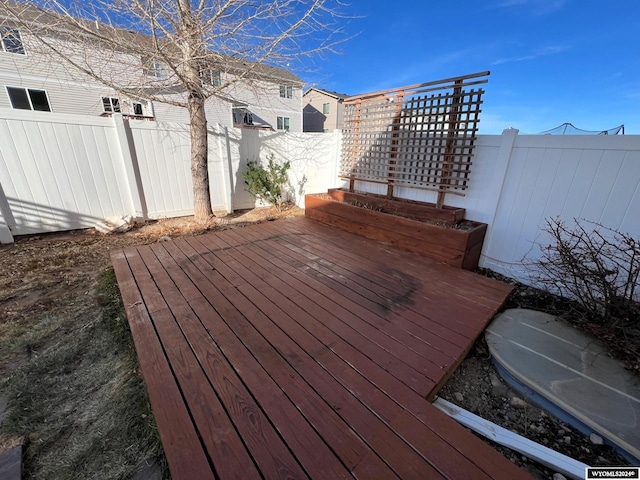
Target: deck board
(294,350)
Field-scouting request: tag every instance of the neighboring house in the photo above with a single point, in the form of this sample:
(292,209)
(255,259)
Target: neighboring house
(323,110)
(32,80)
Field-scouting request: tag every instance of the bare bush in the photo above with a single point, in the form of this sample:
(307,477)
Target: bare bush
(597,266)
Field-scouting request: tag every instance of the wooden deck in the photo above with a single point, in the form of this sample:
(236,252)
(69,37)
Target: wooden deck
(291,349)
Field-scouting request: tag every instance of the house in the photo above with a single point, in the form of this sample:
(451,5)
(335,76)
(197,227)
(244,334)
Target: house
(248,95)
(323,110)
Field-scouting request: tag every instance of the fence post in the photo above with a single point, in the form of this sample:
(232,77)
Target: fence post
(130,161)
(227,165)
(6,219)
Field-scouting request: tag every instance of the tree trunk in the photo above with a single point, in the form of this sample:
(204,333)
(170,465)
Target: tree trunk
(199,157)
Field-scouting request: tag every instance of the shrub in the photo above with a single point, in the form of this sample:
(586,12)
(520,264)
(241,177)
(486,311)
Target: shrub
(267,184)
(597,266)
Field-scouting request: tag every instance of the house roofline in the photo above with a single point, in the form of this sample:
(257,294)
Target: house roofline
(336,95)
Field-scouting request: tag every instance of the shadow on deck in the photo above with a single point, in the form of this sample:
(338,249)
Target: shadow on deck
(291,349)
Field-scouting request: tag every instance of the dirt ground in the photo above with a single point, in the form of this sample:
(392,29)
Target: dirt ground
(48,277)
(37,270)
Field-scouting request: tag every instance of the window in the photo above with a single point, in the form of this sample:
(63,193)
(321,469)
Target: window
(286,91)
(325,108)
(111,105)
(138,108)
(211,77)
(28,99)
(10,40)
(155,68)
(284,123)
(242,116)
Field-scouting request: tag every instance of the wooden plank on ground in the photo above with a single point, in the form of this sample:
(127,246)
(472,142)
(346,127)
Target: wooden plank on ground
(254,356)
(224,447)
(345,311)
(185,454)
(387,288)
(476,293)
(283,322)
(445,454)
(235,409)
(272,322)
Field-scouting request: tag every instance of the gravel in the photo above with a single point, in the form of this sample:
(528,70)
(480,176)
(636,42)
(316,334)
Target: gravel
(477,387)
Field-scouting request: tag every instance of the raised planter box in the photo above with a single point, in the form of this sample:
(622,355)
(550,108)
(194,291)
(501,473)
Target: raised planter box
(458,245)
(400,207)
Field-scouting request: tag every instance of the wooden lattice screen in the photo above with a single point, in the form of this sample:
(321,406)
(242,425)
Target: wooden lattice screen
(419,136)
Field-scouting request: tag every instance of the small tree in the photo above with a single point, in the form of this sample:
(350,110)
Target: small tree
(597,266)
(267,184)
(170,51)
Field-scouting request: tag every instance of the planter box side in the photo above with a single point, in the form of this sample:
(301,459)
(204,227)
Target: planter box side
(438,243)
(403,207)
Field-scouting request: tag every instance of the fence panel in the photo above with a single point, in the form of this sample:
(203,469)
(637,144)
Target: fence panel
(314,160)
(594,178)
(60,172)
(163,156)
(313,157)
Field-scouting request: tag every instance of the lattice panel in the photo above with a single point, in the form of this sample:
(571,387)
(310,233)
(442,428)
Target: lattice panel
(413,137)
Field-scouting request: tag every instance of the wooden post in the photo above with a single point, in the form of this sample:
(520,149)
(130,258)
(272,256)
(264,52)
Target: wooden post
(355,145)
(452,129)
(395,129)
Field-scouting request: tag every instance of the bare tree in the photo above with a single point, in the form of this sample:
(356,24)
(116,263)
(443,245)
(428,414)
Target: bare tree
(170,51)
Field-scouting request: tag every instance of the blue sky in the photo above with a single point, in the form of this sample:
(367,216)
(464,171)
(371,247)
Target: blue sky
(551,61)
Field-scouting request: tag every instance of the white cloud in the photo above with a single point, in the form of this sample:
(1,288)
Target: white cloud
(540,52)
(535,7)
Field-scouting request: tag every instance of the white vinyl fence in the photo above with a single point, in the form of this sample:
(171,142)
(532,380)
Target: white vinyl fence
(63,172)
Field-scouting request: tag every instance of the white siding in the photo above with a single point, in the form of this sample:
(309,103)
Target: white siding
(264,101)
(72,92)
(69,98)
(314,118)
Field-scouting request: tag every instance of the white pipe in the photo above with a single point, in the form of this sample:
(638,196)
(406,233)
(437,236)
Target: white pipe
(550,458)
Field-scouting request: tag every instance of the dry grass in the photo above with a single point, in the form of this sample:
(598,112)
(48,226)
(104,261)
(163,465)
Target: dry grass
(68,365)
(79,401)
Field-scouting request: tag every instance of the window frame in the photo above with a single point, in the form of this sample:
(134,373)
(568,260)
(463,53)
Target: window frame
(286,91)
(211,76)
(28,93)
(114,107)
(155,68)
(326,108)
(245,114)
(283,124)
(3,47)
(137,106)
